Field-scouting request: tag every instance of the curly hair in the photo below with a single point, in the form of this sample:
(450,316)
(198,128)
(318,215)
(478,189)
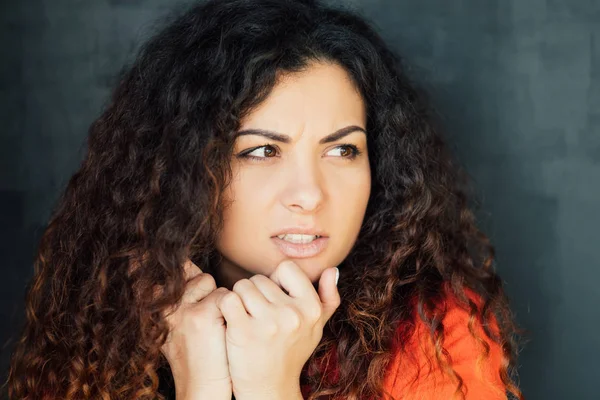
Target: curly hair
(149,193)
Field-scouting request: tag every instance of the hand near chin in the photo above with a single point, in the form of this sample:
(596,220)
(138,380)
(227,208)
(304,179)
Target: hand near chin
(270,334)
(195,347)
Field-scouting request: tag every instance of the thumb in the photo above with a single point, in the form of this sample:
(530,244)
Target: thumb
(328,292)
(190,270)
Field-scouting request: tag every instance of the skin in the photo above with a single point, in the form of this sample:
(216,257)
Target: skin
(304,182)
(252,335)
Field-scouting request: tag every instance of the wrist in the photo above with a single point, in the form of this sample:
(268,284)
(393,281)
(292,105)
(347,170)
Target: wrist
(203,393)
(288,393)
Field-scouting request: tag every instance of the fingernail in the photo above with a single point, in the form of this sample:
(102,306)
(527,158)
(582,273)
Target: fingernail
(337,275)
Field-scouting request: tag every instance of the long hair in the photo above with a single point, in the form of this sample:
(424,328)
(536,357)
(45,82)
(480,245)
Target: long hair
(149,194)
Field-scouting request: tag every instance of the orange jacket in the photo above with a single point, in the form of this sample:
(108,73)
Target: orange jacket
(409,377)
(480,376)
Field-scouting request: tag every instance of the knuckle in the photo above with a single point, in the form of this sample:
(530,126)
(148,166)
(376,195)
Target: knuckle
(210,299)
(202,281)
(270,328)
(221,290)
(190,270)
(259,278)
(287,266)
(314,313)
(230,298)
(208,281)
(292,317)
(241,284)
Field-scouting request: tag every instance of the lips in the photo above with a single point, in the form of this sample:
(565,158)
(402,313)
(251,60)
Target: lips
(301,230)
(301,250)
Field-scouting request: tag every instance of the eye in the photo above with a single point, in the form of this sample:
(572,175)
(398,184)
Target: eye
(346,151)
(261,152)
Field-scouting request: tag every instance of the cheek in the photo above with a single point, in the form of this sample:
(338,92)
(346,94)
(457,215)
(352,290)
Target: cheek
(245,205)
(244,220)
(349,197)
(350,194)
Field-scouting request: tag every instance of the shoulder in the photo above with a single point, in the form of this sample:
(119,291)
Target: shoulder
(415,373)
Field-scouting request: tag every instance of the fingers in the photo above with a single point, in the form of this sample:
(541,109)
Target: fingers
(198,288)
(254,301)
(316,307)
(269,289)
(190,270)
(289,276)
(328,293)
(232,308)
(200,296)
(210,304)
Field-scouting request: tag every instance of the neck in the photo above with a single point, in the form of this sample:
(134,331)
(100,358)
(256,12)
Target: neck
(227,274)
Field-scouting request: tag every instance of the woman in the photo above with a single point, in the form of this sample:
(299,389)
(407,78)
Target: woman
(253,147)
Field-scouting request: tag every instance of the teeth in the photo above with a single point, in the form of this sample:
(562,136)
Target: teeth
(298,238)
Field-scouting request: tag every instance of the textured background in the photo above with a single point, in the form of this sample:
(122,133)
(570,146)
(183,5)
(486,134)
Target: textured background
(517,81)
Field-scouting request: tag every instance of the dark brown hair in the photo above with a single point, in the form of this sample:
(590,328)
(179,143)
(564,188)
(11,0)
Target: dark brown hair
(148,193)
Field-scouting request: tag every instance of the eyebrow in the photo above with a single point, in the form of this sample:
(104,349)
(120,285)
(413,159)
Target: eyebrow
(278,137)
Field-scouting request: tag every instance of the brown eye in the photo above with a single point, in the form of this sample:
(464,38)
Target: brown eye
(345,151)
(269,151)
(266,151)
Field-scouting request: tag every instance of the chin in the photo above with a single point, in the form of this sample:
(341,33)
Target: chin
(312,268)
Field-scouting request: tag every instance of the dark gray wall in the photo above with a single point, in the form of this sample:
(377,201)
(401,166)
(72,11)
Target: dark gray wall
(518,82)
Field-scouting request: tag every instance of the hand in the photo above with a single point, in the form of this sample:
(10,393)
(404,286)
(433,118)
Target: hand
(270,335)
(195,347)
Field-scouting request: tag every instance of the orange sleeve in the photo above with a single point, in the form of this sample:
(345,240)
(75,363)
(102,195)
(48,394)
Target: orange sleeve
(410,376)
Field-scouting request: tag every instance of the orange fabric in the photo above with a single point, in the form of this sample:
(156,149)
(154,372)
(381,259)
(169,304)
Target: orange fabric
(480,376)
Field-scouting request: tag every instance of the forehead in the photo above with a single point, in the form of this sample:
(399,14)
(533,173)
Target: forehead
(320,97)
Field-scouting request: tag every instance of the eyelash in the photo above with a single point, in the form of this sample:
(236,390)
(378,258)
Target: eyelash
(355,152)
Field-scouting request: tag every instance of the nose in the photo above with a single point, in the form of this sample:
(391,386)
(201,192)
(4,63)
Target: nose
(303,188)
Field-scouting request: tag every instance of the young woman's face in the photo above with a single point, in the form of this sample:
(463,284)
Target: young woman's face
(300,168)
